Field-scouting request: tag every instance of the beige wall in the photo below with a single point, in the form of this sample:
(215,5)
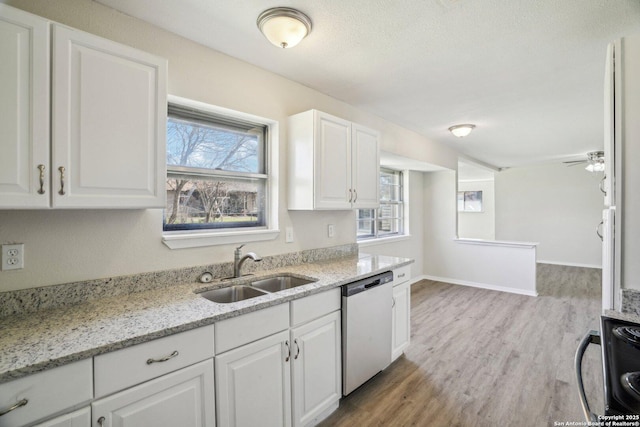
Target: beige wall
(555,205)
(66,246)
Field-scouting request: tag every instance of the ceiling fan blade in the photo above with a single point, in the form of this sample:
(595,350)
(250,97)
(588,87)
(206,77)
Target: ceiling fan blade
(575,162)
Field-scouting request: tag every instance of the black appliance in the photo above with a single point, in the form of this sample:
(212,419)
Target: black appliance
(620,342)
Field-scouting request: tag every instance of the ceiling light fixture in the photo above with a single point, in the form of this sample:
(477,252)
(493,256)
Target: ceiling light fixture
(283,26)
(596,161)
(461,130)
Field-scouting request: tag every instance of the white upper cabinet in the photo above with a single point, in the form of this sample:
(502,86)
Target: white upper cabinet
(107,102)
(333,163)
(24,109)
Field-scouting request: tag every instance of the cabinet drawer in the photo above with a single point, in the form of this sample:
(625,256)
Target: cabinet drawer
(130,366)
(46,393)
(401,275)
(232,333)
(314,306)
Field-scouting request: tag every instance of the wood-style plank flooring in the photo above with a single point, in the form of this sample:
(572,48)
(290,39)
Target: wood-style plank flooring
(488,358)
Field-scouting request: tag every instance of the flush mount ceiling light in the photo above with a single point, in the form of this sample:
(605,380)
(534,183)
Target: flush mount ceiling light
(596,161)
(283,26)
(461,130)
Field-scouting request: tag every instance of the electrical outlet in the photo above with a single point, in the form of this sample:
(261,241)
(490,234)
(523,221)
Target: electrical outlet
(331,230)
(12,257)
(288,235)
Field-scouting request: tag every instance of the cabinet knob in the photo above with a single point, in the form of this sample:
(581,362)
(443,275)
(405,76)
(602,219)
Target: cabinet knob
(20,404)
(41,168)
(61,192)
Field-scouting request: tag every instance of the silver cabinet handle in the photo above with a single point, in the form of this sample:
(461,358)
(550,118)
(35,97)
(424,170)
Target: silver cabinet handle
(101,421)
(400,276)
(350,195)
(288,351)
(598,230)
(20,404)
(355,195)
(163,359)
(393,304)
(61,169)
(592,337)
(41,168)
(297,348)
(601,186)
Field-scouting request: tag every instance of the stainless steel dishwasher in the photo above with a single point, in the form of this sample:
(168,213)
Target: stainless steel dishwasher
(366,329)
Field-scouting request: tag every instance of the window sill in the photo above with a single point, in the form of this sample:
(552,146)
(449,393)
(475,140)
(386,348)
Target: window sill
(184,240)
(383,240)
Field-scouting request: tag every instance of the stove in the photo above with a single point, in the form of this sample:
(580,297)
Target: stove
(620,342)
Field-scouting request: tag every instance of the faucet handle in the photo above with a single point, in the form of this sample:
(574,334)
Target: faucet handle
(239,250)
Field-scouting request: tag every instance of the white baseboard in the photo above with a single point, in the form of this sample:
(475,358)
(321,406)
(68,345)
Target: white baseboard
(570,264)
(481,285)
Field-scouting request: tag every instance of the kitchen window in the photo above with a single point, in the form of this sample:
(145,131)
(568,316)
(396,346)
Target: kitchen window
(388,219)
(218,180)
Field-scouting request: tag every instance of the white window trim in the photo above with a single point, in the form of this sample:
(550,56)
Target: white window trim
(201,238)
(406,232)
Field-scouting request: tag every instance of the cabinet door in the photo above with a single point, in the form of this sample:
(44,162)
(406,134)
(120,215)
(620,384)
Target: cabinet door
(332,162)
(365,172)
(182,398)
(108,123)
(80,418)
(317,372)
(24,109)
(401,330)
(253,384)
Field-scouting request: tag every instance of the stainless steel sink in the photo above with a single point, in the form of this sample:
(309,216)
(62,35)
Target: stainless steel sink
(232,294)
(280,283)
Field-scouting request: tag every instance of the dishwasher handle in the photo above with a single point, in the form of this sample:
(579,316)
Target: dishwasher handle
(592,337)
(372,284)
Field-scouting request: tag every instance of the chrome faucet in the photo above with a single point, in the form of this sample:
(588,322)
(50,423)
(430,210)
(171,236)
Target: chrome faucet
(238,260)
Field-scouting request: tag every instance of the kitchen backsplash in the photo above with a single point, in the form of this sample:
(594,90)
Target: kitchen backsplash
(33,299)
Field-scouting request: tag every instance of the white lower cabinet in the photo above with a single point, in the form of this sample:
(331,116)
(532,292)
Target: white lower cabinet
(316,368)
(182,398)
(79,418)
(253,383)
(289,378)
(401,318)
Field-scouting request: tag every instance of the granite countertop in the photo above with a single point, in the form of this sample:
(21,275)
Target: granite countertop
(629,317)
(45,339)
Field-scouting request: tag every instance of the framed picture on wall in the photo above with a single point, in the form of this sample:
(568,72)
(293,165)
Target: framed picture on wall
(469,201)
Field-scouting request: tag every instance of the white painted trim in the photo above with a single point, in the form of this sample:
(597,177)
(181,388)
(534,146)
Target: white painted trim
(381,241)
(480,285)
(569,264)
(504,243)
(201,239)
(477,180)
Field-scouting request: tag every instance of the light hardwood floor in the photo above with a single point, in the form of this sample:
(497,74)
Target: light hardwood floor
(487,358)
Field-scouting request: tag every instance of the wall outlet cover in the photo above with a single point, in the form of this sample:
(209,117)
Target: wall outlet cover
(12,257)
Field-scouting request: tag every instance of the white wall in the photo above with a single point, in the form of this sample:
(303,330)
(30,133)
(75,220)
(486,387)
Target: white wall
(507,268)
(555,205)
(478,225)
(412,247)
(67,246)
(630,157)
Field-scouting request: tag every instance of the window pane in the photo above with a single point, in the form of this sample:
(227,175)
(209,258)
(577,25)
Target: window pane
(210,202)
(197,144)
(388,226)
(389,211)
(365,228)
(366,213)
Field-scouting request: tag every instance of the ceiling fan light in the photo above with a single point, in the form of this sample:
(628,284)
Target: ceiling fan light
(283,26)
(461,130)
(595,167)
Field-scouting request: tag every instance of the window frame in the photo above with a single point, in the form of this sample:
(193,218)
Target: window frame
(402,201)
(177,239)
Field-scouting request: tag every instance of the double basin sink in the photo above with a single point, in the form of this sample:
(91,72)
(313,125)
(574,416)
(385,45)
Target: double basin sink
(235,293)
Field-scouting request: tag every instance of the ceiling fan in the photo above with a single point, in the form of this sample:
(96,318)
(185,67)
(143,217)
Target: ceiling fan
(594,161)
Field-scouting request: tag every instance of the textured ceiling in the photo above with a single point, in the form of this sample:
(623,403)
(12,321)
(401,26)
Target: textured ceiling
(528,73)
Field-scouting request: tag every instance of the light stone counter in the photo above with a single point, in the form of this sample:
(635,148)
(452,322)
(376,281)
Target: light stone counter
(33,342)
